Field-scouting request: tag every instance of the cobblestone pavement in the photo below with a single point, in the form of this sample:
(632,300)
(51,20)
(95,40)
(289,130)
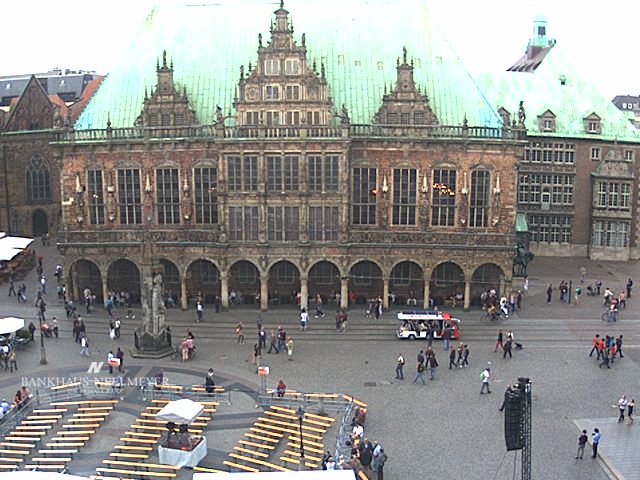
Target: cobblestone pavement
(445,429)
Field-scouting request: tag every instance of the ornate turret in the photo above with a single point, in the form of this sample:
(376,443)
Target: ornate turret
(405,104)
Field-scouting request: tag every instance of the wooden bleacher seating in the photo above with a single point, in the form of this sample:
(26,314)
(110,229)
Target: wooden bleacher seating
(311,458)
(240,467)
(14,452)
(291,422)
(140,456)
(96,415)
(61,444)
(296,438)
(106,408)
(291,429)
(362,476)
(84,402)
(50,410)
(312,449)
(261,438)
(255,461)
(139,473)
(68,451)
(157,466)
(256,445)
(17,444)
(251,452)
(82,425)
(35,428)
(71,433)
(37,466)
(296,461)
(143,434)
(84,421)
(51,459)
(8,467)
(138,440)
(207,470)
(133,448)
(11,459)
(44,417)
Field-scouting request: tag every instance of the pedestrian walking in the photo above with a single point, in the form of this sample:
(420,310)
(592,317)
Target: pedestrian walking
(262,337)
(199,311)
(419,373)
(549,292)
(630,407)
(32,329)
(619,345)
(433,365)
(209,382)
(465,357)
(110,361)
(120,357)
(583,274)
(499,340)
(54,325)
(595,439)
(239,334)
(304,319)
(484,377)
(12,287)
(446,336)
(622,406)
(273,341)
(452,358)
(319,312)
(594,346)
(382,459)
(43,284)
(582,441)
(399,366)
(84,347)
(460,351)
(629,287)
(507,348)
(345,317)
(282,339)
(290,348)
(116,327)
(605,358)
(257,354)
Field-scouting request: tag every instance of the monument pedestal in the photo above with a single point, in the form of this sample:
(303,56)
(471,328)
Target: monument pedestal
(149,345)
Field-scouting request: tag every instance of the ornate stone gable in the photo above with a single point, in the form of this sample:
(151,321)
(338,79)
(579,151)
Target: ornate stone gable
(282,89)
(166,107)
(405,104)
(34,110)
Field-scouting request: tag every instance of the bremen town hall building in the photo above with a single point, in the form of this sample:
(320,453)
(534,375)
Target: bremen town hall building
(250,161)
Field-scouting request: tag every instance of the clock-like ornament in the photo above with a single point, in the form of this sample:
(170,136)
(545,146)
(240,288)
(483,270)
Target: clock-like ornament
(251,93)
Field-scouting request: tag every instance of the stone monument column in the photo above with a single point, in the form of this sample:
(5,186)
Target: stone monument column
(344,292)
(304,292)
(224,290)
(264,292)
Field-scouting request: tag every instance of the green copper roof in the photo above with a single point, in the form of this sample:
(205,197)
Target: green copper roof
(543,90)
(522,226)
(358,41)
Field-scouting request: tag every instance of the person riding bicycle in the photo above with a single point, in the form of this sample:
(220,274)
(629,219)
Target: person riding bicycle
(493,311)
(613,311)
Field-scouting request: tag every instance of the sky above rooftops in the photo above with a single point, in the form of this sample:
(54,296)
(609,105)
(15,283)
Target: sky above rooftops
(487,36)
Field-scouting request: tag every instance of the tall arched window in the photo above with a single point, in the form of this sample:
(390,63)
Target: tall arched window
(38,181)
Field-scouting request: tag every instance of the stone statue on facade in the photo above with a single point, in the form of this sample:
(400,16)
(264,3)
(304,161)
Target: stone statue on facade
(111,206)
(521,114)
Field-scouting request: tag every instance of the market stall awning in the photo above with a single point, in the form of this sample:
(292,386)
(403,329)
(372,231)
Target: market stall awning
(10,325)
(180,411)
(15,242)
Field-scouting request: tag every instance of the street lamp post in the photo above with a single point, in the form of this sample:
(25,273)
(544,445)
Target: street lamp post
(300,413)
(43,350)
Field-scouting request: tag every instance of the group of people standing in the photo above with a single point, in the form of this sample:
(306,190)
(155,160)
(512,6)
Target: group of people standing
(606,349)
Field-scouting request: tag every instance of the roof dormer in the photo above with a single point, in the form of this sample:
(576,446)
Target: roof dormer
(593,123)
(547,121)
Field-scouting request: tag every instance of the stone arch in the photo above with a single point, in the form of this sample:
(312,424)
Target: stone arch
(447,279)
(203,279)
(284,282)
(244,281)
(83,274)
(124,274)
(39,222)
(365,281)
(406,283)
(485,277)
(170,280)
(324,279)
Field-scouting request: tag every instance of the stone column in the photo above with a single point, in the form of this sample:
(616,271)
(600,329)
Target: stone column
(385,293)
(224,290)
(105,290)
(467,294)
(264,292)
(183,292)
(426,294)
(344,292)
(304,292)
(501,288)
(73,280)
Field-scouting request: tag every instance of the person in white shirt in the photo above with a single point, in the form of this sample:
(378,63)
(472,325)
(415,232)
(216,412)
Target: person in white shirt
(304,319)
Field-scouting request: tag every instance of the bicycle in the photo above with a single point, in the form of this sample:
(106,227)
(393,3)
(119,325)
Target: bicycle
(487,316)
(609,316)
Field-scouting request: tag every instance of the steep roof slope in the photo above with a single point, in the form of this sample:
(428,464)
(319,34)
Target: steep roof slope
(358,42)
(556,86)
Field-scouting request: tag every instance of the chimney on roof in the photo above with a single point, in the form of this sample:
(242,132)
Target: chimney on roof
(539,39)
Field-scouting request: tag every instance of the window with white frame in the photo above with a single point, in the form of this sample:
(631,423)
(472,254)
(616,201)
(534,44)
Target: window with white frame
(243,223)
(272,92)
(292,66)
(272,66)
(168,196)
(323,224)
(595,153)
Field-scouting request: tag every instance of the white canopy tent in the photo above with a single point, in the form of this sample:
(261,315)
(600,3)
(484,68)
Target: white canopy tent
(7,254)
(15,242)
(180,411)
(10,325)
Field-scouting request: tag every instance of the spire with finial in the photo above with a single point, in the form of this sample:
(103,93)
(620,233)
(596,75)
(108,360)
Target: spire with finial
(241,73)
(146,94)
(281,3)
(322,76)
(385,87)
(314,65)
(250,66)
(304,40)
(411,63)
(398,62)
(171,64)
(157,63)
(260,40)
(404,55)
(108,120)
(164,59)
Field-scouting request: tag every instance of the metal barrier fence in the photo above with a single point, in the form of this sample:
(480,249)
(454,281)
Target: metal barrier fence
(149,392)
